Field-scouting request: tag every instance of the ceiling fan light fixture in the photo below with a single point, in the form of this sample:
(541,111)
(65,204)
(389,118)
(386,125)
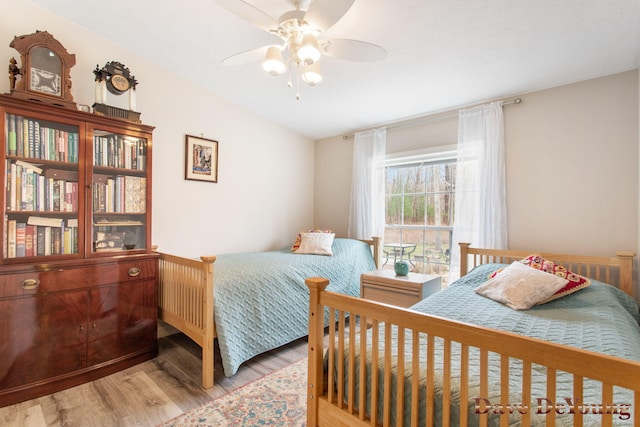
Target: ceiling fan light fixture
(274,62)
(301,39)
(309,50)
(311,74)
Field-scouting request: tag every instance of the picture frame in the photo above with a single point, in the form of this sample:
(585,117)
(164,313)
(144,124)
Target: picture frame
(201,159)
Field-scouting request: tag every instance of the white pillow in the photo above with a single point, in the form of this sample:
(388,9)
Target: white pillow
(316,243)
(521,287)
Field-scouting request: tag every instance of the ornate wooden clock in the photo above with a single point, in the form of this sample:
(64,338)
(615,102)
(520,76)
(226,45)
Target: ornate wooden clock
(117,79)
(45,75)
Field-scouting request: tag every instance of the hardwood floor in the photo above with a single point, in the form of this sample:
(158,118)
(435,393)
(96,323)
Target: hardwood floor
(146,394)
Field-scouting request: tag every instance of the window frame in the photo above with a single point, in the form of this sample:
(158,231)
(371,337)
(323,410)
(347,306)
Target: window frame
(438,261)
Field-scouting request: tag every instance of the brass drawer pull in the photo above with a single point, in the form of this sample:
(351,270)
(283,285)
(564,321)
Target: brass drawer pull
(134,271)
(30,284)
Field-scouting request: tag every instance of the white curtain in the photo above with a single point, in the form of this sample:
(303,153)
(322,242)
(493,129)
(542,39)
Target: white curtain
(366,212)
(480,198)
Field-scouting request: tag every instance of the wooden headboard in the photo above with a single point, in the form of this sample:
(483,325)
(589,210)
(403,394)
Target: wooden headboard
(374,242)
(617,271)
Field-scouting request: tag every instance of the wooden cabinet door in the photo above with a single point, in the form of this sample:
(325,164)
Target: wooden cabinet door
(42,336)
(122,320)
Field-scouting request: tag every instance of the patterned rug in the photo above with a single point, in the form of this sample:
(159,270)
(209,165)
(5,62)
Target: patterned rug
(277,399)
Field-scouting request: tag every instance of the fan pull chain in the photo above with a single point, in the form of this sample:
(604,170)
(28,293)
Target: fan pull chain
(298,84)
(297,71)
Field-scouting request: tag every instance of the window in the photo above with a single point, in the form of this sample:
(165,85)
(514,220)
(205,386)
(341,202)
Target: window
(419,210)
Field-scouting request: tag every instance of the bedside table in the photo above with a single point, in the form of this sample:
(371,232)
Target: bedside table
(403,291)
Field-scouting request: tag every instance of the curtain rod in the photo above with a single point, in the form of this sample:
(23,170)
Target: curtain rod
(425,119)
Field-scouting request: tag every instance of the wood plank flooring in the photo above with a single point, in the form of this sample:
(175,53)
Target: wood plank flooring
(146,394)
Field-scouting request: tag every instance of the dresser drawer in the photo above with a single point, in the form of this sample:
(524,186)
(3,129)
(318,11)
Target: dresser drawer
(390,295)
(403,291)
(44,278)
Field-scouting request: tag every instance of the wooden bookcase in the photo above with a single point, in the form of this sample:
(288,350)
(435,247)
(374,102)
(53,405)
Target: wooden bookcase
(78,279)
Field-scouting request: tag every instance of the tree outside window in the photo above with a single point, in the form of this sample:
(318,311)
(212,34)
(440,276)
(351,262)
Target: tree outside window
(419,215)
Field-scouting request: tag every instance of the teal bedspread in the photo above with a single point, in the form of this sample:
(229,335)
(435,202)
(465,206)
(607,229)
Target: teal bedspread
(599,318)
(262,302)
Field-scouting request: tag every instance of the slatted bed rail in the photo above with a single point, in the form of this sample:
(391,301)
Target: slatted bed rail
(185,301)
(332,402)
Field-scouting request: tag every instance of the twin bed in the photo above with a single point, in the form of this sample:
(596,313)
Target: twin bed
(571,361)
(459,358)
(254,302)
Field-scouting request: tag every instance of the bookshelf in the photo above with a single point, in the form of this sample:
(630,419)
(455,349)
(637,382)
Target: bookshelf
(119,192)
(78,297)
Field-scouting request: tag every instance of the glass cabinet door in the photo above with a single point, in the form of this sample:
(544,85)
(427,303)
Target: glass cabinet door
(119,192)
(42,195)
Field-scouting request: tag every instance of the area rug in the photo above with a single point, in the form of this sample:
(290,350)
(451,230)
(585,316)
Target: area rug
(277,399)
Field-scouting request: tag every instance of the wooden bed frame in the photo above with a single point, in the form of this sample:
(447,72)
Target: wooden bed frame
(185,300)
(326,404)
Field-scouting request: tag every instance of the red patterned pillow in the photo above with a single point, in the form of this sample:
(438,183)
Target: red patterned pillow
(296,244)
(576,282)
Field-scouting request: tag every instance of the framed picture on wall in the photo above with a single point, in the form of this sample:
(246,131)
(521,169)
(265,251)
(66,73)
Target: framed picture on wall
(201,159)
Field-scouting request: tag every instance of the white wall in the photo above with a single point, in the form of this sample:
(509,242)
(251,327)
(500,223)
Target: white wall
(265,191)
(572,166)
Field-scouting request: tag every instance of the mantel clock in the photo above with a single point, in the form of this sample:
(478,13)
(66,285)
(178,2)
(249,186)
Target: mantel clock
(45,73)
(116,79)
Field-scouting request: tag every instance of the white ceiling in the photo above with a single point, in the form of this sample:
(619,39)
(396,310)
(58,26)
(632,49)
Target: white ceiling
(442,54)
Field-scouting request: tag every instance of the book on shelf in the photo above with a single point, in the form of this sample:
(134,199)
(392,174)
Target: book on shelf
(42,193)
(45,221)
(9,180)
(11,135)
(40,240)
(21,236)
(120,194)
(11,238)
(47,241)
(27,165)
(12,203)
(118,151)
(40,139)
(30,240)
(28,189)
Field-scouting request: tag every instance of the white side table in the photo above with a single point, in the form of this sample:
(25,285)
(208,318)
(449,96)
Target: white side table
(403,291)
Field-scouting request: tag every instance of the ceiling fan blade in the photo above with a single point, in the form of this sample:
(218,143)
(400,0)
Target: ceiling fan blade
(249,13)
(352,50)
(323,14)
(247,56)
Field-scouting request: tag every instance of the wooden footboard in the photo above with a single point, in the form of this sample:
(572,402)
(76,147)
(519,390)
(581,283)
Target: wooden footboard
(332,402)
(185,301)
(327,405)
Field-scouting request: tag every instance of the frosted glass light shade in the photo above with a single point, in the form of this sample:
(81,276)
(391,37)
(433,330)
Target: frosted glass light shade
(309,51)
(311,74)
(273,62)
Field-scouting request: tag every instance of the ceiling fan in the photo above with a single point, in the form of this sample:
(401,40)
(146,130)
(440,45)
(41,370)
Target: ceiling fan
(298,42)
